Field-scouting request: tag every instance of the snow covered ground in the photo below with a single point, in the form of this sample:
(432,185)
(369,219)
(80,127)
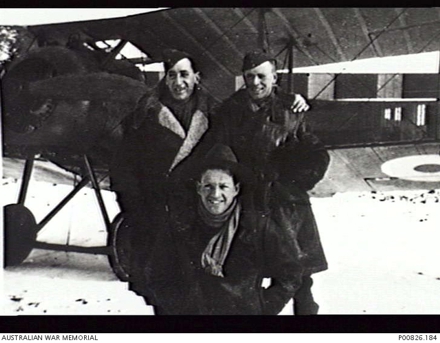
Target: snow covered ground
(382,251)
(67,283)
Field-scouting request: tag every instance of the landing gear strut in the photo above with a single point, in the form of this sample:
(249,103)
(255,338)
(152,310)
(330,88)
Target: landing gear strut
(21,228)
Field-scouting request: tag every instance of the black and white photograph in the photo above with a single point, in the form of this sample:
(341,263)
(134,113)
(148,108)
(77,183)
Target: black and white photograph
(220,161)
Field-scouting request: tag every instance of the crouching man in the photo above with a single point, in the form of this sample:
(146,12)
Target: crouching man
(212,256)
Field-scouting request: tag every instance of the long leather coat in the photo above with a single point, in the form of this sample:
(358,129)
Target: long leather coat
(156,146)
(287,160)
(178,285)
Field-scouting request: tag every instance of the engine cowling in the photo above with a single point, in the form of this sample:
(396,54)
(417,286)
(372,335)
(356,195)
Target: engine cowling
(58,99)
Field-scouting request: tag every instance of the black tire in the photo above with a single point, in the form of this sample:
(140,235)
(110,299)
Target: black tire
(119,242)
(20,234)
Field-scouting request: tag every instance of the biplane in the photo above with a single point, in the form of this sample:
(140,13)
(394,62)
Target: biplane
(68,94)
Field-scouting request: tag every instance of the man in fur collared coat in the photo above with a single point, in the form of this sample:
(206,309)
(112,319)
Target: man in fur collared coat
(167,128)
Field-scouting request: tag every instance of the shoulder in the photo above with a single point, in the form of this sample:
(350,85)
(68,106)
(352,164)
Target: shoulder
(236,102)
(237,98)
(229,108)
(202,95)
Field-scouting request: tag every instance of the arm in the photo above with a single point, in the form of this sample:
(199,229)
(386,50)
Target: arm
(312,162)
(303,160)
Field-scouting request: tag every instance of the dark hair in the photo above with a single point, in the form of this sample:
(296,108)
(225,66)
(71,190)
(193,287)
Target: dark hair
(190,59)
(193,65)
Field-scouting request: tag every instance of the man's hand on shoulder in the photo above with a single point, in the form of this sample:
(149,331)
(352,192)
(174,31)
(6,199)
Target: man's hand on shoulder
(299,104)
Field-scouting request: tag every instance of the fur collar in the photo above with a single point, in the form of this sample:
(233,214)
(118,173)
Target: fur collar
(199,125)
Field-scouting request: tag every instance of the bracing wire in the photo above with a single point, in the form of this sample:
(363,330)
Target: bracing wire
(362,50)
(381,32)
(228,30)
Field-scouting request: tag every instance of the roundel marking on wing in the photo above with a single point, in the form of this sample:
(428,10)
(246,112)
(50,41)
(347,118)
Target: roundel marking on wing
(425,168)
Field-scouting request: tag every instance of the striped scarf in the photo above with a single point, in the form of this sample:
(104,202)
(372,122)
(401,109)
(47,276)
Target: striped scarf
(215,253)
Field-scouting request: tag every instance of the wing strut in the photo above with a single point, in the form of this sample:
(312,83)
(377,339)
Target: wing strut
(96,188)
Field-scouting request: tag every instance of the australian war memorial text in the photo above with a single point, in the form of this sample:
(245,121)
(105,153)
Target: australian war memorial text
(39,337)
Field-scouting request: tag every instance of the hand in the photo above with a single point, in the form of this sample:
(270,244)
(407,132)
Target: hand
(299,104)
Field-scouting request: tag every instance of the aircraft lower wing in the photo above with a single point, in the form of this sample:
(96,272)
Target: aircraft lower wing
(381,168)
(46,171)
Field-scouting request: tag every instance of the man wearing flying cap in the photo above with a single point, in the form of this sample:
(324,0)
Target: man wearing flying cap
(267,135)
(166,129)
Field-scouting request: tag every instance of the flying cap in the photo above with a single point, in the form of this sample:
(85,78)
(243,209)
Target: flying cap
(255,58)
(171,56)
(221,156)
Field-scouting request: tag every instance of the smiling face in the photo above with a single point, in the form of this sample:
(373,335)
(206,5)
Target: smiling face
(181,79)
(260,80)
(217,190)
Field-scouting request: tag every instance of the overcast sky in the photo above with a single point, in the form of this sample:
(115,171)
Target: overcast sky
(37,16)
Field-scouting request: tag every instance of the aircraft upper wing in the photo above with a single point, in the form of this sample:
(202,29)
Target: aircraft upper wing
(362,140)
(219,37)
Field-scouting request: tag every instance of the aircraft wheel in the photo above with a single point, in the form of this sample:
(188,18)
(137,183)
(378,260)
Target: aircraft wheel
(119,242)
(20,234)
